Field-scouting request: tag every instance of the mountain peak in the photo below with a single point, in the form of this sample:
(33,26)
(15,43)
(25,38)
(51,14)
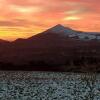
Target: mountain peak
(58,25)
(60,29)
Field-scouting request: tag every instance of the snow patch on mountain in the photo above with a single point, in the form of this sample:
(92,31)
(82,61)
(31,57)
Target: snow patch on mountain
(65,31)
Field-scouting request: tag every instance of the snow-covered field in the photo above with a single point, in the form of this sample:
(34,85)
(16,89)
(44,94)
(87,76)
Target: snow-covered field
(49,86)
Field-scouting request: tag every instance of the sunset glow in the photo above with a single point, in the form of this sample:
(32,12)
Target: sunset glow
(24,18)
(72,18)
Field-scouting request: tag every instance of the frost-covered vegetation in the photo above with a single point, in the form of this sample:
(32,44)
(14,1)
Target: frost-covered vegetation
(49,86)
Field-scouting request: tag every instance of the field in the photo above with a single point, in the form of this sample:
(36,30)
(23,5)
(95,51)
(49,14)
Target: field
(30,85)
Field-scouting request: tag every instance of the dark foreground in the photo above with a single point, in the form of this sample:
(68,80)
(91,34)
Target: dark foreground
(53,68)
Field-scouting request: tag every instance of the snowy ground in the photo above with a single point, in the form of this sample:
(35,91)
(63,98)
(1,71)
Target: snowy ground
(49,86)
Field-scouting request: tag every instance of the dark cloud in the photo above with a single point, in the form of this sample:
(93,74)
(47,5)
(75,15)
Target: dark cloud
(14,23)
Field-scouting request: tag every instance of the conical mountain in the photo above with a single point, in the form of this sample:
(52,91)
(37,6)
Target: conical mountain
(55,36)
(59,28)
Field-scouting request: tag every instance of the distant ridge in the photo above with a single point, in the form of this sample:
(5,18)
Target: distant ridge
(2,41)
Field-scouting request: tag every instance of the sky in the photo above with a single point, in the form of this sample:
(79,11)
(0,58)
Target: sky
(25,18)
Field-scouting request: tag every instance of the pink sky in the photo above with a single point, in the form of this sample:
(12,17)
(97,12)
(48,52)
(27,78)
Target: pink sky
(24,18)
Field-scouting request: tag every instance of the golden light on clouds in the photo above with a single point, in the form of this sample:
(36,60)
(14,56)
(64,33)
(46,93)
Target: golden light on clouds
(72,18)
(26,10)
(12,35)
(24,18)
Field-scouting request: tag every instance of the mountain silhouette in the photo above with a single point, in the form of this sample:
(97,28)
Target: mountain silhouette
(58,49)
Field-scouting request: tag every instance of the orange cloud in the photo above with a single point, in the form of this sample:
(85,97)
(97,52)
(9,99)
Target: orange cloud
(18,18)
